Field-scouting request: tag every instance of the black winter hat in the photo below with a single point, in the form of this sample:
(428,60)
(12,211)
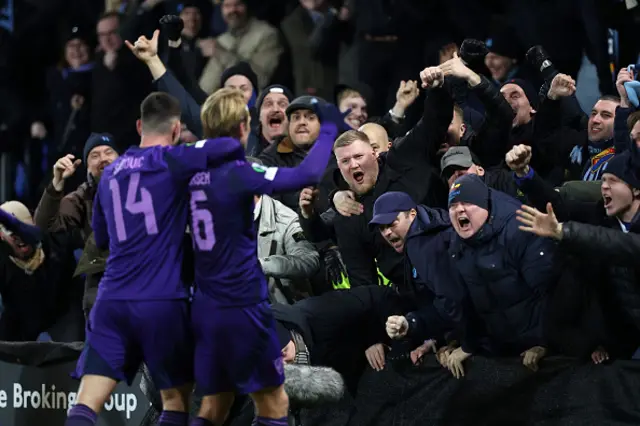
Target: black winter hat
(241,68)
(622,166)
(97,139)
(274,88)
(469,189)
(77,33)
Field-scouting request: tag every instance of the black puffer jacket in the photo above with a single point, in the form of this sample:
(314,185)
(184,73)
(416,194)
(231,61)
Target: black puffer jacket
(616,251)
(507,275)
(609,250)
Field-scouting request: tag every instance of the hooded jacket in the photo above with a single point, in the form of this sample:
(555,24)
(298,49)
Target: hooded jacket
(428,275)
(507,275)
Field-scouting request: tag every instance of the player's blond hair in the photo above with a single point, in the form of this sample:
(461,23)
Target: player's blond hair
(222,114)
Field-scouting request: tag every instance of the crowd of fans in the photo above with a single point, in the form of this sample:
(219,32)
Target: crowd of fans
(471,207)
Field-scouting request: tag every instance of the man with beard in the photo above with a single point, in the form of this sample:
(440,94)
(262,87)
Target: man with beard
(302,131)
(246,39)
(35,278)
(73,212)
(273,121)
(406,167)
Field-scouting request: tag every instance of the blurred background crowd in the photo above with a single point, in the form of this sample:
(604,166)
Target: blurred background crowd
(455,113)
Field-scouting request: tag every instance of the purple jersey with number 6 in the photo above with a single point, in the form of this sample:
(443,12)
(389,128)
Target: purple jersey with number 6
(140,211)
(222,228)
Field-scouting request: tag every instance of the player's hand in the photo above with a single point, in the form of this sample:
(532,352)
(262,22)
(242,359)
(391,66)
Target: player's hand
(562,86)
(454,362)
(346,204)
(144,49)
(308,196)
(62,169)
(531,357)
(419,352)
(431,77)
(518,159)
(375,356)
(397,326)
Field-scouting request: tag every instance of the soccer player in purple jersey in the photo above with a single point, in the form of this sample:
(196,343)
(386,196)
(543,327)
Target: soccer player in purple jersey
(141,313)
(237,348)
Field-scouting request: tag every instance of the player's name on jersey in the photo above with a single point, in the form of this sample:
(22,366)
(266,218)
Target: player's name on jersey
(47,397)
(202,178)
(128,163)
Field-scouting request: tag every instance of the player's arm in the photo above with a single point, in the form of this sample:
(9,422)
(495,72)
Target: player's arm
(99,223)
(188,159)
(257,180)
(28,233)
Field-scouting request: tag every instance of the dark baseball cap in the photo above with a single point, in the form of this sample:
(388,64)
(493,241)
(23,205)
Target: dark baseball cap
(457,156)
(388,205)
(304,102)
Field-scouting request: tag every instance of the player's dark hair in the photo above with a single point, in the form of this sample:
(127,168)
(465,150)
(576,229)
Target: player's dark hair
(158,112)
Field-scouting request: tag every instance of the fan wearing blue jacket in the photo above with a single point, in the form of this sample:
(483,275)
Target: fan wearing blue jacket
(422,234)
(507,276)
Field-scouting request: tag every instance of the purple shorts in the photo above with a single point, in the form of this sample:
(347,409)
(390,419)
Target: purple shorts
(237,349)
(121,335)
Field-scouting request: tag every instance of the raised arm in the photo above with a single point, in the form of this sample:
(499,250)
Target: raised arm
(255,179)
(188,159)
(30,234)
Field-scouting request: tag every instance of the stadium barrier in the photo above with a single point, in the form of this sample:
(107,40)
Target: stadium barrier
(35,389)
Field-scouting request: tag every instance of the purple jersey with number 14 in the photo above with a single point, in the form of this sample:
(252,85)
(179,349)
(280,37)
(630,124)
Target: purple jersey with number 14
(140,211)
(223,231)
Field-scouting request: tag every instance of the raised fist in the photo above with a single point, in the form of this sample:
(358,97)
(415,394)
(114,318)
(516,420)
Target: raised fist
(562,86)
(397,327)
(172,26)
(431,77)
(624,76)
(518,159)
(307,197)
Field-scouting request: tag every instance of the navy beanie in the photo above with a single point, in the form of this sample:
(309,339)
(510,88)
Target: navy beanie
(469,189)
(622,166)
(527,88)
(97,139)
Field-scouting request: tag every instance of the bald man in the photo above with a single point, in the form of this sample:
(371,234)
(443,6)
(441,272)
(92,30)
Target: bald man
(378,137)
